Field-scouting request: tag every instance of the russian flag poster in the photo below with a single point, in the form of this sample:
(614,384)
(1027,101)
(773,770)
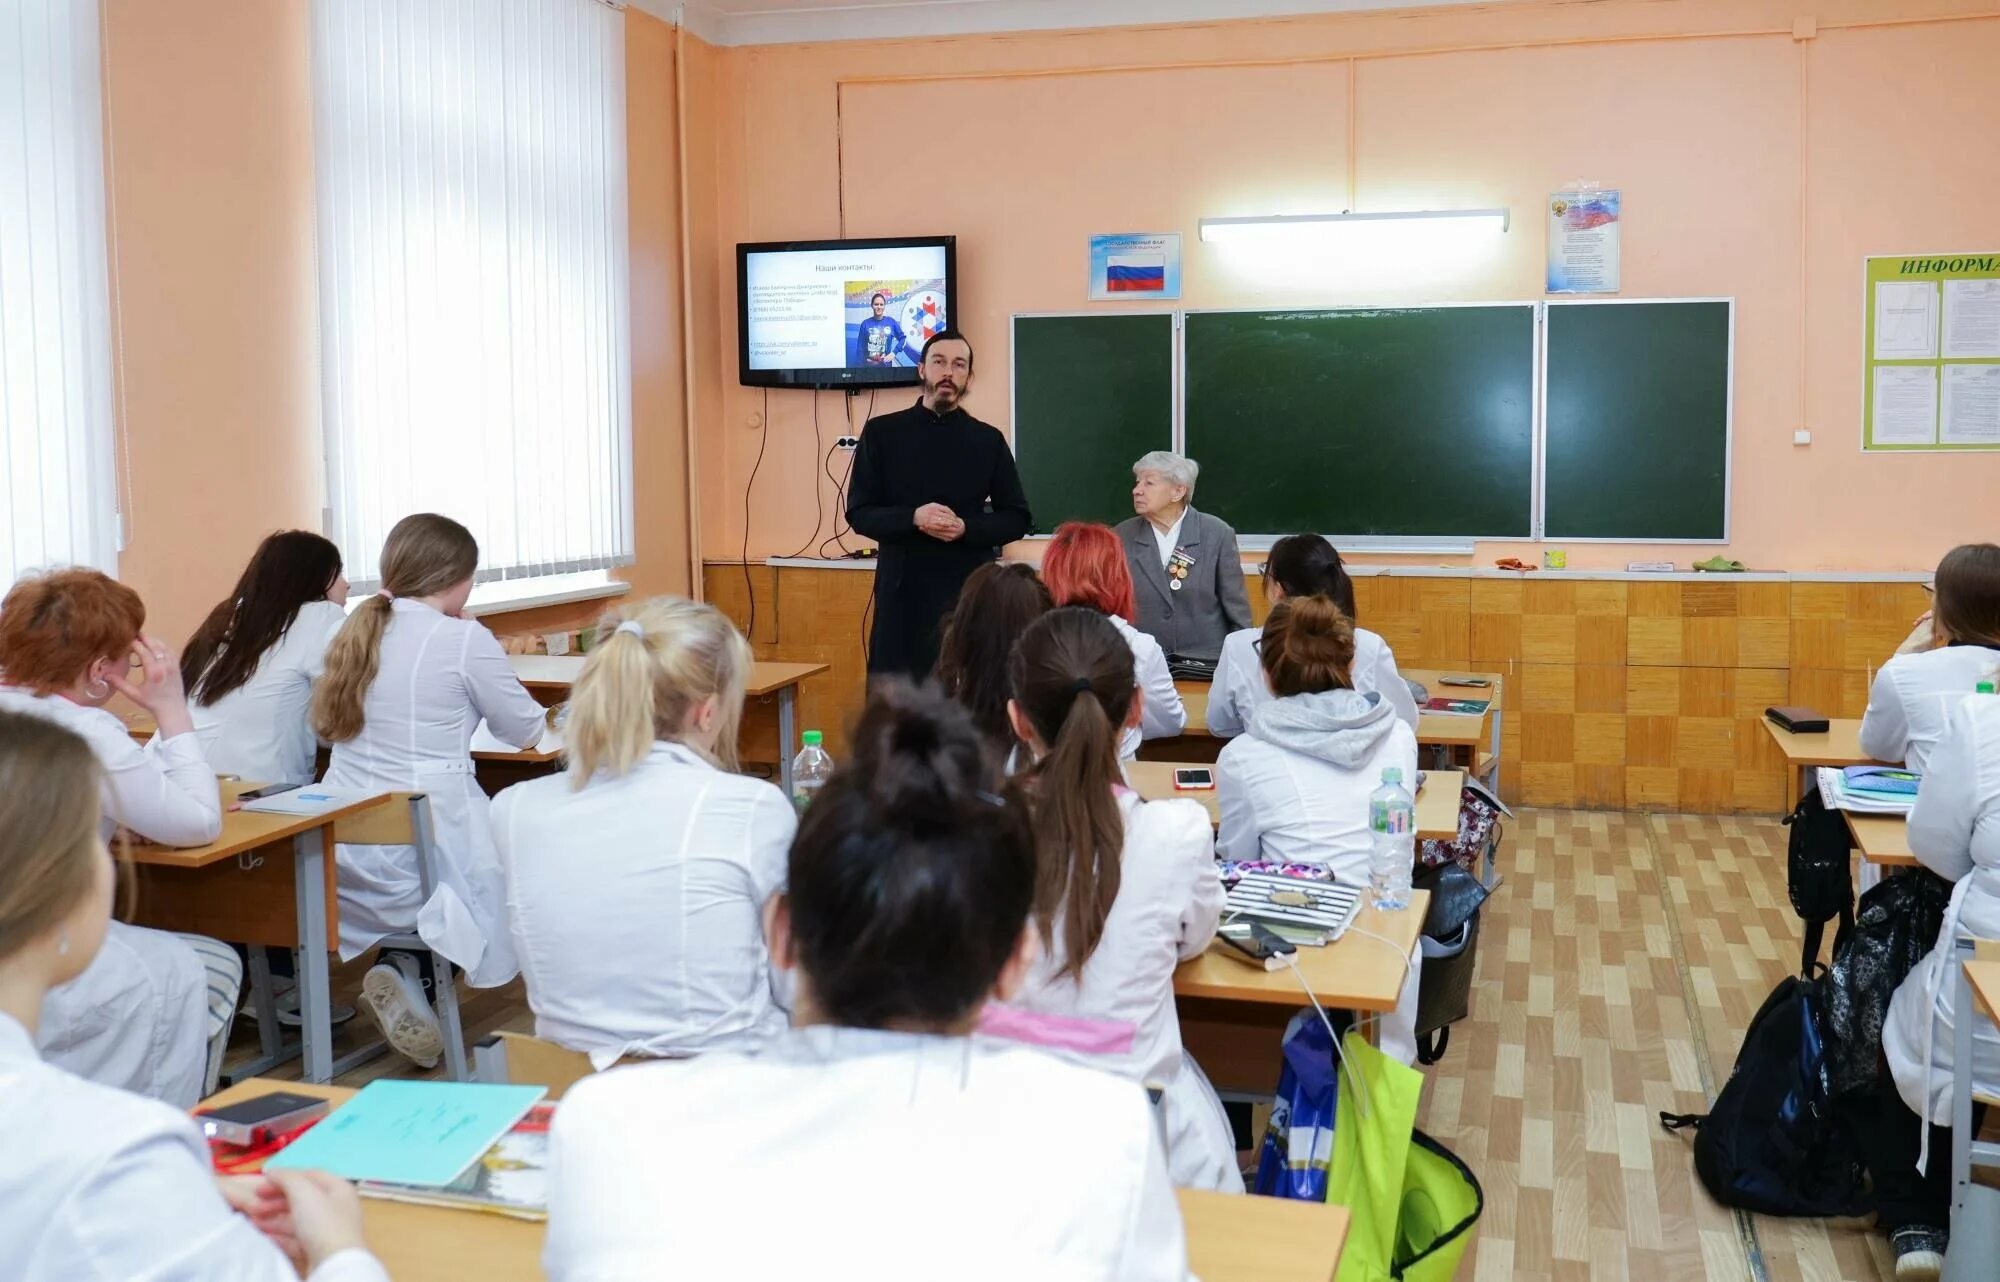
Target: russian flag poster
(1135,266)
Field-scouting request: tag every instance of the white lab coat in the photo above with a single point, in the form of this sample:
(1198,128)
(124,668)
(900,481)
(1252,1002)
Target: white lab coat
(1239,688)
(436,678)
(636,905)
(1289,806)
(1162,715)
(100,1184)
(1913,698)
(1169,899)
(852,1153)
(137,1017)
(262,730)
(1954,832)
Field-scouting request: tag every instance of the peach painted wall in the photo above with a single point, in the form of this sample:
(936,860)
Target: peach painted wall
(1735,144)
(209,123)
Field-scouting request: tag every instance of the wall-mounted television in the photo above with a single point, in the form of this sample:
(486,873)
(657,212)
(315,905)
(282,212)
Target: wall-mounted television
(841,313)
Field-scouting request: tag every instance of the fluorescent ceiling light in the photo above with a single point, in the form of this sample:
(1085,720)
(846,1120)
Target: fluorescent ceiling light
(1265,225)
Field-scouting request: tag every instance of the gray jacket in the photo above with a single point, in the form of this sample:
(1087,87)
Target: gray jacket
(1211,601)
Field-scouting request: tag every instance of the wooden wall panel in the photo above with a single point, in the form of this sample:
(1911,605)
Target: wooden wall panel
(1617,694)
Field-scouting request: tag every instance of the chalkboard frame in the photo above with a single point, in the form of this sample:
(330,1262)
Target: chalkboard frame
(1542,423)
(1418,544)
(1176,394)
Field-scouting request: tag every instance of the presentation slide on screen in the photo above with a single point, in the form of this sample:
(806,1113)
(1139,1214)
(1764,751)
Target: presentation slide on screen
(834,309)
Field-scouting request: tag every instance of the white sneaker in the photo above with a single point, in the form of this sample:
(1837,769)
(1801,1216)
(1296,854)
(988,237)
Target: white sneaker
(394,994)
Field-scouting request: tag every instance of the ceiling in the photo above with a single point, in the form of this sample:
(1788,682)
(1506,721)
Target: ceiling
(753,22)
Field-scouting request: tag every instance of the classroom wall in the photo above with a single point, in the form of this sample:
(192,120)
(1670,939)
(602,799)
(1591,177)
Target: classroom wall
(208,118)
(1754,165)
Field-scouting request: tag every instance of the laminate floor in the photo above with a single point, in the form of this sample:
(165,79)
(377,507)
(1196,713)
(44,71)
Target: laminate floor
(1619,964)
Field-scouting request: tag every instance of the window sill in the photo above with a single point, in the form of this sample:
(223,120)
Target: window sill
(531,594)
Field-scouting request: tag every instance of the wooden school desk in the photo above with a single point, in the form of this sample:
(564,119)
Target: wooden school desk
(1838,745)
(1470,742)
(1882,839)
(1437,799)
(770,703)
(1230,1239)
(1233,1014)
(241,887)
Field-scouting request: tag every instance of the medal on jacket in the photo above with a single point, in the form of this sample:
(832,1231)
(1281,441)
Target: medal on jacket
(1177,568)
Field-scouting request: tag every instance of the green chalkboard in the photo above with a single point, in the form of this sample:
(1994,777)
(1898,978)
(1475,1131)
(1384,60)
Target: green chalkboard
(1637,415)
(1415,422)
(1091,394)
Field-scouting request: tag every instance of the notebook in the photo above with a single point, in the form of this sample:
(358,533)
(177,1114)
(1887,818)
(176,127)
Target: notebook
(1457,707)
(1893,781)
(1326,912)
(401,1132)
(511,1178)
(313,799)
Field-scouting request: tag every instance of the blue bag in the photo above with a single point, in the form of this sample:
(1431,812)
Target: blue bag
(1298,1141)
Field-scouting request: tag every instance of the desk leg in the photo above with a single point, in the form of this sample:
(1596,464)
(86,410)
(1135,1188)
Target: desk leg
(268,1040)
(315,1004)
(787,748)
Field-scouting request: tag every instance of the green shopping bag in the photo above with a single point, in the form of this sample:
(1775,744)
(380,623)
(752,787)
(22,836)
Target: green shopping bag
(1412,1205)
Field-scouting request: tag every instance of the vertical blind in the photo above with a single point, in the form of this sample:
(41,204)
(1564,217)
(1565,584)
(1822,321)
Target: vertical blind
(474,341)
(58,496)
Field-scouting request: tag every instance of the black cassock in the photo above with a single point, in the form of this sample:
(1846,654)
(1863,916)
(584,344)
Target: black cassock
(907,459)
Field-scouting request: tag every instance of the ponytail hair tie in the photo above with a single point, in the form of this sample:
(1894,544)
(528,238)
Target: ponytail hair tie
(1079,686)
(632,627)
(387,595)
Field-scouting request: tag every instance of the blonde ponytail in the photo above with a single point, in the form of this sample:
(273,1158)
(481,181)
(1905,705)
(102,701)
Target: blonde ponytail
(351,662)
(652,666)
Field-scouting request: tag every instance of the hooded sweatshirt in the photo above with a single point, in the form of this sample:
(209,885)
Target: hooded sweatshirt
(1295,788)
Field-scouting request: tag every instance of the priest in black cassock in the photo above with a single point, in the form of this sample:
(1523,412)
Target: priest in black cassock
(937,489)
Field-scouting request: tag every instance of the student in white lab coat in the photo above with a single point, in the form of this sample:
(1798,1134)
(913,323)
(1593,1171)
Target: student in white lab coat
(250,667)
(97,1182)
(407,682)
(996,605)
(1301,565)
(138,1016)
(1916,690)
(636,882)
(1294,789)
(1085,565)
(877,1138)
(1954,832)
(1127,889)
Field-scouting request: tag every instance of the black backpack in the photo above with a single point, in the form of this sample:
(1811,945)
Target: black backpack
(1771,1143)
(1817,873)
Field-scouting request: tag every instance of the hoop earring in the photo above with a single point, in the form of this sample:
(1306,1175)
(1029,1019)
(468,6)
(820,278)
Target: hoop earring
(103,690)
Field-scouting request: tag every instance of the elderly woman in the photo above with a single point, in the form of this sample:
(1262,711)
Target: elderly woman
(1185,562)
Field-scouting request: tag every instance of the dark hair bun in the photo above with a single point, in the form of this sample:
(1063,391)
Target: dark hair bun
(1308,646)
(921,755)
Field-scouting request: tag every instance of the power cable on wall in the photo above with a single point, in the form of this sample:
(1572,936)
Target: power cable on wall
(750,587)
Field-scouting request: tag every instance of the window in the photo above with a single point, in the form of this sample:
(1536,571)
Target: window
(58,492)
(474,340)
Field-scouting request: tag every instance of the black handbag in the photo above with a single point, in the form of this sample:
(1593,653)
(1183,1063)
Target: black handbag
(1451,926)
(1817,874)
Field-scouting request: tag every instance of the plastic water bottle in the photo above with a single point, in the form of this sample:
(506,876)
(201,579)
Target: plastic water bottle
(1392,841)
(810,770)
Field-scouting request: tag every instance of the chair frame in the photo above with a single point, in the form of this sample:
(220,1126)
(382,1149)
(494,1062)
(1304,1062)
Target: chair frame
(385,827)
(1967,1150)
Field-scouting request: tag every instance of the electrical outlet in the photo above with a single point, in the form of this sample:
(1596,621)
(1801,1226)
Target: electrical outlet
(847,443)
(1802,437)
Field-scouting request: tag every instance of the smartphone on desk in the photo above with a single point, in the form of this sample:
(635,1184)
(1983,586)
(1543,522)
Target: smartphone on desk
(1476,682)
(1255,943)
(1193,778)
(268,790)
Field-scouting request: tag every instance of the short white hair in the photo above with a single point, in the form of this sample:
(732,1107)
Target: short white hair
(1176,470)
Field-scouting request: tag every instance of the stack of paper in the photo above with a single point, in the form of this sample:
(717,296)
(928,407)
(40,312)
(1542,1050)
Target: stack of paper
(313,799)
(411,1133)
(1836,793)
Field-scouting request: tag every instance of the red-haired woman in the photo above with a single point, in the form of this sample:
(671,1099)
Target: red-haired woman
(1085,565)
(139,1017)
